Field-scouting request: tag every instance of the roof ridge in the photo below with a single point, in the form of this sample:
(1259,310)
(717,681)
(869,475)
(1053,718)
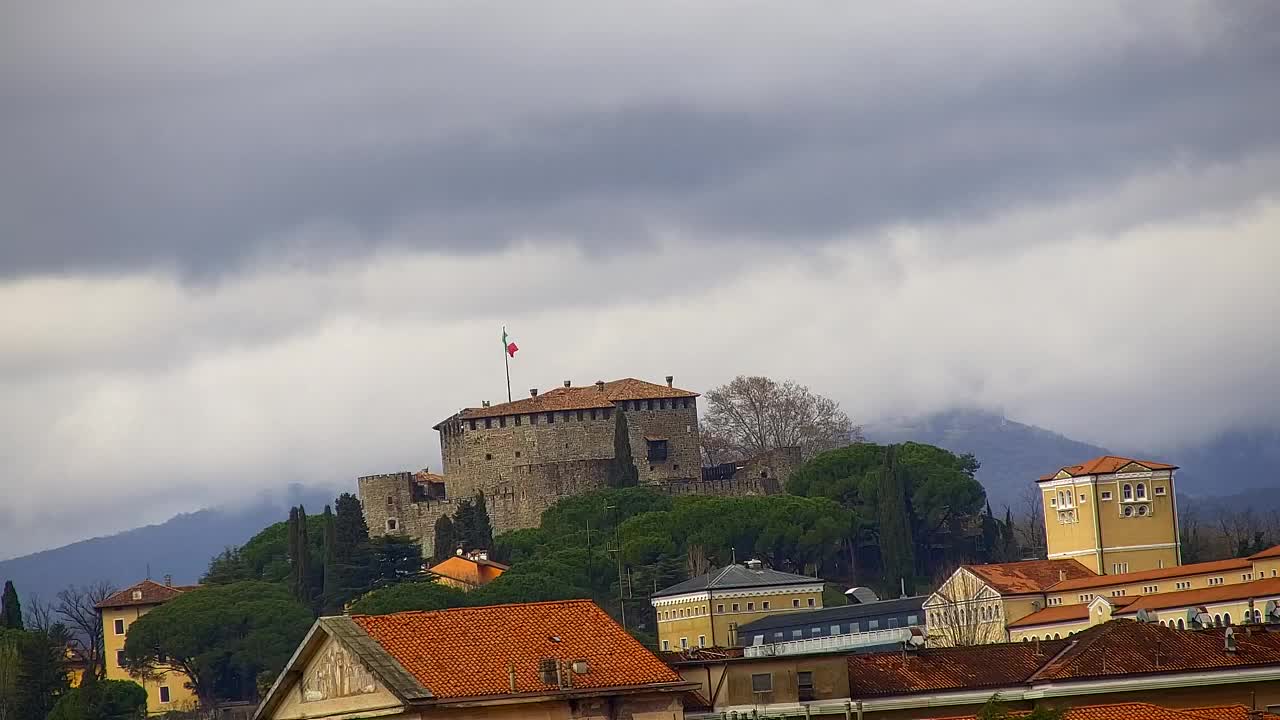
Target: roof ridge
(570,601)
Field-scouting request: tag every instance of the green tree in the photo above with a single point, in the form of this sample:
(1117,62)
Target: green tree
(994,709)
(10,668)
(409,596)
(622,470)
(331,591)
(896,546)
(353,552)
(396,559)
(102,700)
(10,608)
(445,539)
(42,673)
(224,637)
(301,579)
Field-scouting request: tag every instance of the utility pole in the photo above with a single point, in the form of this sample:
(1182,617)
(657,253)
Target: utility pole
(617,551)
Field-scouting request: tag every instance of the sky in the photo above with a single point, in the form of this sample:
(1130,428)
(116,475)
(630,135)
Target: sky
(249,243)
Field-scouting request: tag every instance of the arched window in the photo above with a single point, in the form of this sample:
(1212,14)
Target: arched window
(1217,621)
(1056,636)
(1226,619)
(1142,491)
(1257,616)
(1026,639)
(1127,491)
(1181,624)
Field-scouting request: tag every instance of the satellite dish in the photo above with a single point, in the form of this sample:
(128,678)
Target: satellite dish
(1273,610)
(1144,616)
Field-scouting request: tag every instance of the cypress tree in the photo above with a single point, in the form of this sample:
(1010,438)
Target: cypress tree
(330,589)
(897,550)
(10,608)
(294,564)
(622,471)
(354,556)
(481,528)
(446,539)
(304,593)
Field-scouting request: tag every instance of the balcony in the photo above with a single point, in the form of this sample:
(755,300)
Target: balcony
(830,643)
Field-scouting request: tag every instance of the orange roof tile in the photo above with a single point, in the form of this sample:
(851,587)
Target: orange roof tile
(579,398)
(942,669)
(1261,590)
(1141,711)
(153,593)
(1160,574)
(1105,464)
(467,652)
(1029,576)
(1271,552)
(1054,615)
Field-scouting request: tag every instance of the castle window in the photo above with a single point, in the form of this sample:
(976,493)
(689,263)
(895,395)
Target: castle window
(488,456)
(488,423)
(502,421)
(595,414)
(472,423)
(580,416)
(657,449)
(391,500)
(517,421)
(393,524)
(1127,492)
(551,417)
(1142,491)
(607,412)
(517,453)
(533,419)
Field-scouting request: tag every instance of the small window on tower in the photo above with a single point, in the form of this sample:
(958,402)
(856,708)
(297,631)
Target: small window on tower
(580,416)
(517,421)
(551,417)
(657,449)
(393,524)
(488,423)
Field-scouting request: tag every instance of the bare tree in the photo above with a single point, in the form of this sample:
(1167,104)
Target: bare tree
(696,560)
(38,614)
(753,415)
(964,611)
(1030,526)
(78,607)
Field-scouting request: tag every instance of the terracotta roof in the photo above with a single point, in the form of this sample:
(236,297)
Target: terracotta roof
(943,669)
(579,398)
(1124,647)
(1054,615)
(467,652)
(1105,464)
(1262,590)
(423,476)
(1029,576)
(1160,574)
(1271,552)
(153,593)
(1143,711)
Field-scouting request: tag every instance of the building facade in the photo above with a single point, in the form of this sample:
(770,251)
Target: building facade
(708,610)
(1113,514)
(860,627)
(166,692)
(468,571)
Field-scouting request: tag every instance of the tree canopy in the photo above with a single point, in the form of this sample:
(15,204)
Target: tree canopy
(224,637)
(10,608)
(102,700)
(753,414)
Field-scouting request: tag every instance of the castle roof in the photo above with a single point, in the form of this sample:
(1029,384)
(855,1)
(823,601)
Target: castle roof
(737,576)
(600,395)
(1105,464)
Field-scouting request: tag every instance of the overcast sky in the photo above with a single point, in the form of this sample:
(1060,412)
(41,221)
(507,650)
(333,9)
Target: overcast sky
(250,243)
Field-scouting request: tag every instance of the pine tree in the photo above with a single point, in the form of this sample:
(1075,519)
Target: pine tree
(622,471)
(305,580)
(354,556)
(10,608)
(897,550)
(446,539)
(330,589)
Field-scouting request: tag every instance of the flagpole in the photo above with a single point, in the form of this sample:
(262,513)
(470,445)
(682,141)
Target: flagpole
(506,362)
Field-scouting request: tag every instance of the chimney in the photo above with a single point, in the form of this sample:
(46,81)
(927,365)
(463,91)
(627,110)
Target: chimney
(568,383)
(669,380)
(1062,575)
(533,392)
(600,385)
(1229,640)
(511,677)
(1037,642)
(754,564)
(484,403)
(168,581)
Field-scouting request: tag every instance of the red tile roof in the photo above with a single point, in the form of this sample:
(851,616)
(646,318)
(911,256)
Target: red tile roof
(1160,574)
(1261,590)
(942,669)
(1054,615)
(153,593)
(1105,464)
(1144,711)
(467,652)
(580,398)
(1029,576)
(1271,552)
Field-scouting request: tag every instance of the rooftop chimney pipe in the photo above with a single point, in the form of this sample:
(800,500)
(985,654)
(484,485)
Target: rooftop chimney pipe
(670,378)
(168,580)
(533,392)
(600,385)
(567,383)
(484,403)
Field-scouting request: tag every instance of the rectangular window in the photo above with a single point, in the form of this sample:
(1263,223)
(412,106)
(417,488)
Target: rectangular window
(815,632)
(873,624)
(795,603)
(804,685)
(810,602)
(702,639)
(684,642)
(1159,489)
(648,404)
(1106,494)
(502,421)
(1117,593)
(579,420)
(893,622)
(1053,502)
(472,423)
(764,605)
(119,658)
(835,629)
(164,689)
(488,423)
(735,605)
(119,625)
(1149,589)
(607,413)
(518,421)
(913,619)
(750,605)
(657,450)
(719,606)
(797,634)
(666,644)
(854,627)
(533,419)
(1245,577)
(551,417)
(761,682)
(1215,581)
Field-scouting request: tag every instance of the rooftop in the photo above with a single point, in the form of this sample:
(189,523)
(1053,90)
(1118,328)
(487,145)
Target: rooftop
(1029,576)
(1104,465)
(1113,649)
(1085,583)
(839,613)
(1078,612)
(152,593)
(736,576)
(468,652)
(1263,590)
(1271,552)
(579,398)
(1146,711)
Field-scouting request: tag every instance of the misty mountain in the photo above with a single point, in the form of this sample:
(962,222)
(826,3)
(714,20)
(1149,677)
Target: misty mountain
(181,546)
(1013,455)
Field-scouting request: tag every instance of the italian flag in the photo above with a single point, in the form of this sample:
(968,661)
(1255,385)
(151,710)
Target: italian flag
(508,344)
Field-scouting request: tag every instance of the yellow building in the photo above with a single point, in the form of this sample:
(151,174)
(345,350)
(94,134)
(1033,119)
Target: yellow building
(975,605)
(706,611)
(1113,514)
(467,572)
(169,690)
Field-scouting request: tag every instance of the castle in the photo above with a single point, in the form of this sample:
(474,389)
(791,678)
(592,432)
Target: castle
(527,454)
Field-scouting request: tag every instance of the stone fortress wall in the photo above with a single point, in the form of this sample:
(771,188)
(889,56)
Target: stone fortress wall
(526,455)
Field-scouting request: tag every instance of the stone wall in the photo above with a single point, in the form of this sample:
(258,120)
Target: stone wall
(678,425)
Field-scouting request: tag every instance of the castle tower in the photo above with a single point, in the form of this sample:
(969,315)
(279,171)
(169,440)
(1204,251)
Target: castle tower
(1112,514)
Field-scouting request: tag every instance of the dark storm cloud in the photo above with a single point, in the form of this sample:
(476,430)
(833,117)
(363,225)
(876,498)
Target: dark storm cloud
(207,171)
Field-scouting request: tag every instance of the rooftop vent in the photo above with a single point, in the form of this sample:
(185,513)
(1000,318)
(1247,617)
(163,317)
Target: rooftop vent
(533,392)
(1062,575)
(484,403)
(168,581)
(755,565)
(568,383)
(1229,640)
(600,385)
(581,667)
(670,379)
